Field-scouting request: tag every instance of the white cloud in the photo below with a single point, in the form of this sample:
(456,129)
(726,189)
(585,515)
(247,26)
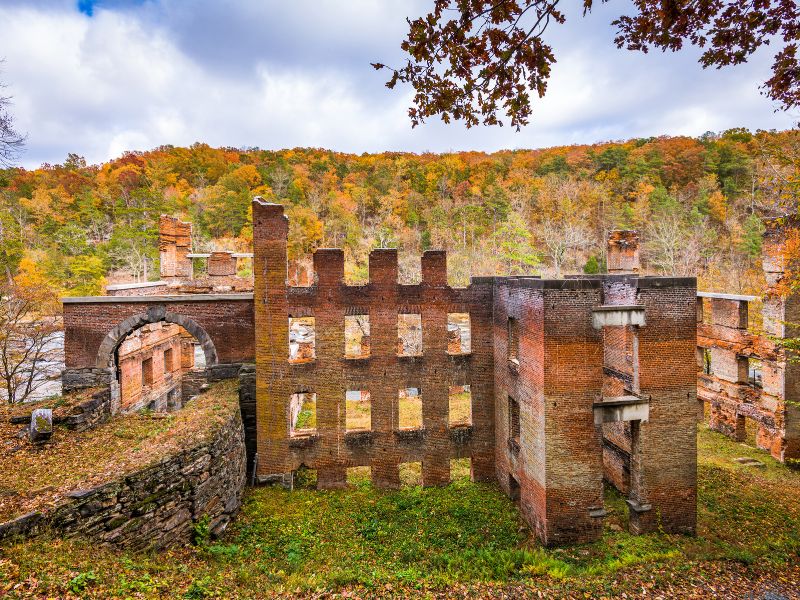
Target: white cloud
(293,74)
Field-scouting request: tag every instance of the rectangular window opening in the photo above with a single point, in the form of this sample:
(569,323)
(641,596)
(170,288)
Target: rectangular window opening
(460,405)
(169,364)
(459,333)
(460,469)
(754,372)
(356,336)
(409,335)
(358,410)
(513,340)
(410,474)
(513,424)
(147,371)
(303,413)
(359,476)
(707,362)
(410,408)
(302,339)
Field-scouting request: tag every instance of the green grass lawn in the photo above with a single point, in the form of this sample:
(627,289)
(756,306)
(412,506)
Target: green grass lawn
(465,539)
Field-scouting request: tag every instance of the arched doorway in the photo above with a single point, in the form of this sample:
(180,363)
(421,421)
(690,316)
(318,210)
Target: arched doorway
(151,356)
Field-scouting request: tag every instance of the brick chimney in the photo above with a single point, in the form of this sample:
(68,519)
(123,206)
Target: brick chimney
(174,244)
(623,251)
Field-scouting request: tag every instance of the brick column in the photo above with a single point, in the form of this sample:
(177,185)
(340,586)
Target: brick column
(435,380)
(270,231)
(384,365)
(329,377)
(623,251)
(663,481)
(174,244)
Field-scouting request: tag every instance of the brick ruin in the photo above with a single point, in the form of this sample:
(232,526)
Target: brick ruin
(744,374)
(152,363)
(549,387)
(570,382)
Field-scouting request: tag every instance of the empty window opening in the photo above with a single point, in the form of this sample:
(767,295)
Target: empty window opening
(303,413)
(409,335)
(358,410)
(359,476)
(147,371)
(459,333)
(513,488)
(513,423)
(409,408)
(460,405)
(707,362)
(302,337)
(460,469)
(169,361)
(356,336)
(513,340)
(754,372)
(304,478)
(410,474)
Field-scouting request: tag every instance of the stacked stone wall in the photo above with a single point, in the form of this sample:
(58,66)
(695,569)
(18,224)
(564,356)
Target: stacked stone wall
(157,506)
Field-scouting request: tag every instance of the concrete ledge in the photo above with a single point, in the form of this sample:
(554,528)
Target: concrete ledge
(617,316)
(621,408)
(132,286)
(721,296)
(156,299)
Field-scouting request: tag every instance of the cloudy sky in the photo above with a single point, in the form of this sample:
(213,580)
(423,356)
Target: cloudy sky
(98,77)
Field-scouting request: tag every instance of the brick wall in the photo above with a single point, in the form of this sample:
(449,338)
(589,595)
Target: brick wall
(331,449)
(228,321)
(546,387)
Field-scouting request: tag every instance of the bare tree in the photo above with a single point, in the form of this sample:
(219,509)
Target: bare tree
(563,237)
(674,248)
(11,141)
(29,332)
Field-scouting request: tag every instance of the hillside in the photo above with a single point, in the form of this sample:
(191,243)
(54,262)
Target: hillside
(697,202)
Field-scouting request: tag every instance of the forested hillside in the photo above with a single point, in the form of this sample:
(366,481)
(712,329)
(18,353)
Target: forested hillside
(697,203)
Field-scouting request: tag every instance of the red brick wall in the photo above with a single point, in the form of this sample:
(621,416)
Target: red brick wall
(332,450)
(228,322)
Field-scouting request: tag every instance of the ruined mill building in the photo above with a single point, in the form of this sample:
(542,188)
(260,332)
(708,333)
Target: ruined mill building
(548,387)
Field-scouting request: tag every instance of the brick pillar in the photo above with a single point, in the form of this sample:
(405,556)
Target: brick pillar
(435,383)
(174,244)
(384,369)
(273,389)
(572,379)
(663,479)
(482,380)
(623,251)
(330,384)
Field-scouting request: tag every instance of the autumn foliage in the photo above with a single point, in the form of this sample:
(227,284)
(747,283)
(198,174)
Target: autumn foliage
(697,202)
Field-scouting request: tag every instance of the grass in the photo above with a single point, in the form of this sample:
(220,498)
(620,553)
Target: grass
(465,539)
(34,476)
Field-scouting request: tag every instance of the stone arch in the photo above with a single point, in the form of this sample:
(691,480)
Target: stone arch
(154,314)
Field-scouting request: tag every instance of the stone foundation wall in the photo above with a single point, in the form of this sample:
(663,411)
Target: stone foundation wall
(157,506)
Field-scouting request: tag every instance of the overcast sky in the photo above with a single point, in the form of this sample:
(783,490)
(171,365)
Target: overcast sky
(100,77)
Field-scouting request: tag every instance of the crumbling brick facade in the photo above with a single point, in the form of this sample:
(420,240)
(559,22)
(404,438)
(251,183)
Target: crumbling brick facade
(548,386)
(745,375)
(152,361)
(330,448)
(174,246)
(551,363)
